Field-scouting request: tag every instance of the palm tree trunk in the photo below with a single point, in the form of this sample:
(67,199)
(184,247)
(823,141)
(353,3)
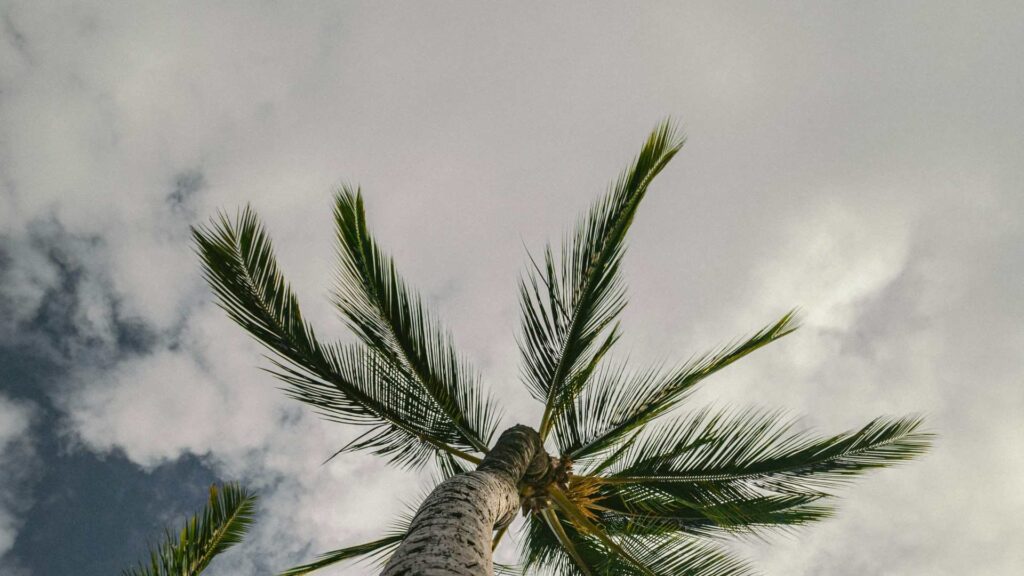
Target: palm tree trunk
(451,533)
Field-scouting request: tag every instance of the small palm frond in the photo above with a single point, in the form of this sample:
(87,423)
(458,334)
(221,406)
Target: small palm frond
(391,319)
(755,452)
(502,569)
(343,383)
(449,465)
(568,306)
(222,524)
(677,555)
(377,551)
(617,404)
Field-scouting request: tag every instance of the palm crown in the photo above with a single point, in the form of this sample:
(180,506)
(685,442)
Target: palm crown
(640,489)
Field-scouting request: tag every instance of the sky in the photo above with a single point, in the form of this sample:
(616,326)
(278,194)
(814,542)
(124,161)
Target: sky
(862,161)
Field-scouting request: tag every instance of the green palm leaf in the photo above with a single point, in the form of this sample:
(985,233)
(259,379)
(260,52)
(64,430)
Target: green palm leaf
(391,319)
(567,307)
(665,554)
(617,404)
(222,524)
(348,384)
(760,452)
(644,510)
(580,520)
(565,541)
(377,550)
(677,555)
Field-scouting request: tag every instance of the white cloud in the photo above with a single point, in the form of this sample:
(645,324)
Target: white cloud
(832,259)
(147,403)
(206,397)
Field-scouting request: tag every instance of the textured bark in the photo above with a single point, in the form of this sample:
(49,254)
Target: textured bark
(451,533)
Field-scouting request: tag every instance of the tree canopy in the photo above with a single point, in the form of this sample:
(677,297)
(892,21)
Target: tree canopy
(645,489)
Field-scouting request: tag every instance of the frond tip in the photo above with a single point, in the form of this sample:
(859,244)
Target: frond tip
(379,550)
(222,524)
(570,305)
(759,449)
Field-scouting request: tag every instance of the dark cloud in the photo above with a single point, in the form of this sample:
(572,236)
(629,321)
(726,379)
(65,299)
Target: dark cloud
(99,510)
(77,315)
(13,35)
(182,197)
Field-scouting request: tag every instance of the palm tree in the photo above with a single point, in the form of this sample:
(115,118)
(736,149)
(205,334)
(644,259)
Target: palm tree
(634,488)
(221,524)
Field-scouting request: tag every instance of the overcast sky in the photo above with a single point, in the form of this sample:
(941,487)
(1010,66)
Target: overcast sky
(861,160)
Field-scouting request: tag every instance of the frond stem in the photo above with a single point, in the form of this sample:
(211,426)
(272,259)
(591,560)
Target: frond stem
(559,531)
(570,509)
(498,536)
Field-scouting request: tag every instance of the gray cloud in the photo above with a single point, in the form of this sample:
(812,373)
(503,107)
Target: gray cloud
(860,161)
(20,468)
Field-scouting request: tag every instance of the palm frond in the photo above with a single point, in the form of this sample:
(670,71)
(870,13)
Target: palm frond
(410,431)
(677,555)
(222,524)
(641,509)
(584,524)
(542,552)
(665,554)
(502,569)
(569,305)
(391,319)
(449,465)
(618,403)
(757,452)
(555,525)
(347,384)
(376,550)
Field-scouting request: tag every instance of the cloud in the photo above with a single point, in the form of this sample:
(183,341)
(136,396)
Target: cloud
(861,162)
(205,397)
(20,466)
